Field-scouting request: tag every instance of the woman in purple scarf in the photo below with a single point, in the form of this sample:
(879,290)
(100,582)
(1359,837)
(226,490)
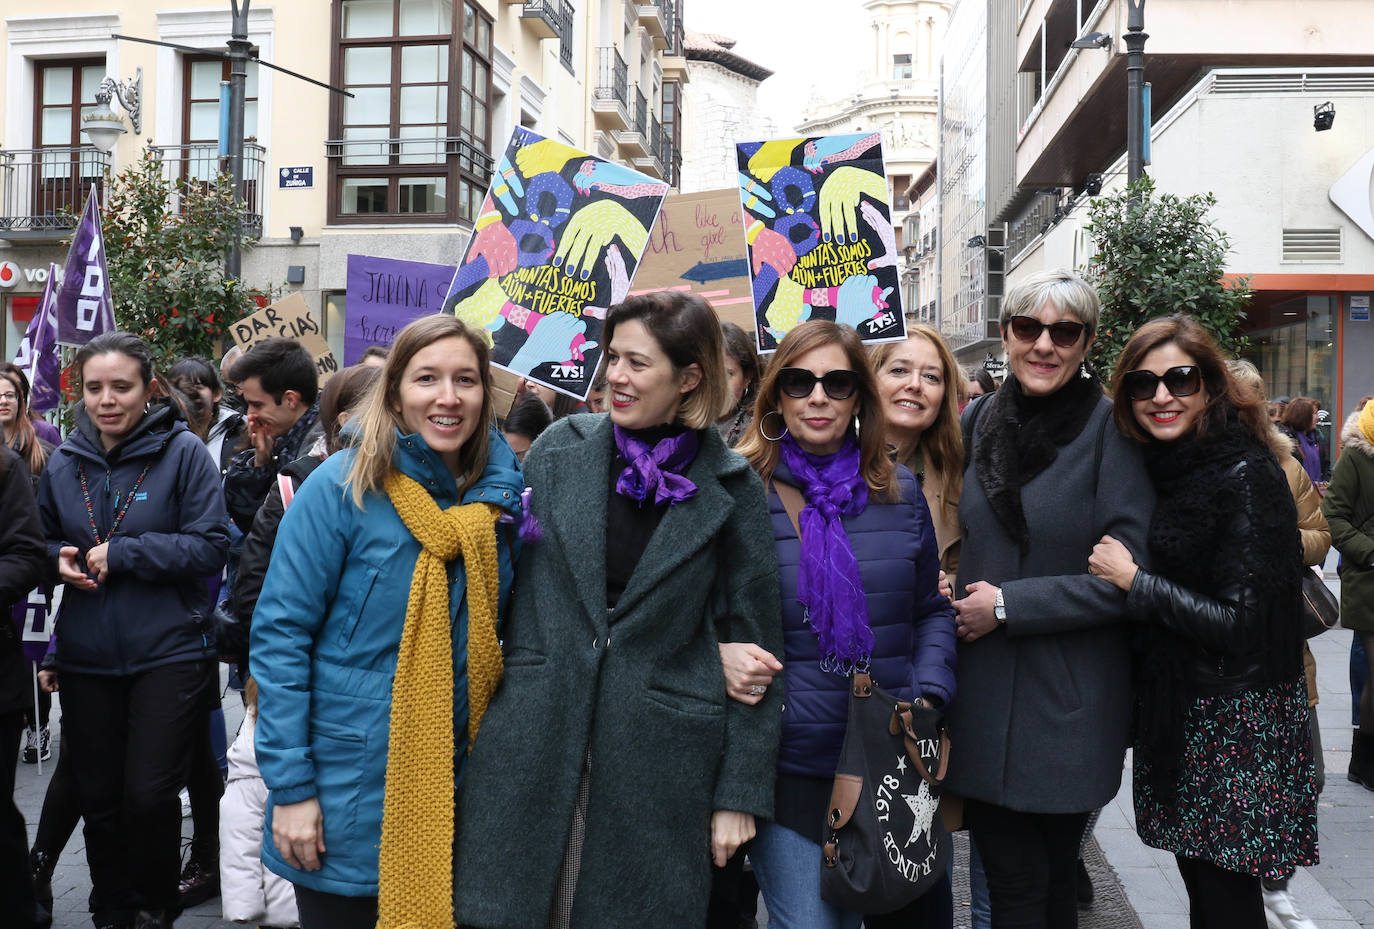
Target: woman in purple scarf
(611,767)
(859,590)
(1299,422)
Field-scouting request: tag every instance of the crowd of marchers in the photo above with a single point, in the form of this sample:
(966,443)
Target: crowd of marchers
(587,665)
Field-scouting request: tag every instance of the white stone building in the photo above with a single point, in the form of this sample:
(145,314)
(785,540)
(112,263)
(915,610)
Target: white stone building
(721,109)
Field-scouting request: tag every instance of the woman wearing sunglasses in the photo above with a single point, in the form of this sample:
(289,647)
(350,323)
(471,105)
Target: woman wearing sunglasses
(859,589)
(1040,728)
(1223,767)
(611,767)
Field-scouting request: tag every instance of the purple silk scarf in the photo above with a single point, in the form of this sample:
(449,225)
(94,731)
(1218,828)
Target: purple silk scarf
(656,471)
(829,587)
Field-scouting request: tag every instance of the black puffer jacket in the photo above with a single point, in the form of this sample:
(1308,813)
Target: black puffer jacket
(257,552)
(21,569)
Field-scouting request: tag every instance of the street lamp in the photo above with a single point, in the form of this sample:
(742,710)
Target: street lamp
(102,125)
(1135,90)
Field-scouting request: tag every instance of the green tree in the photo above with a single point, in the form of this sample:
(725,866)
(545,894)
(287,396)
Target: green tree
(165,242)
(1159,254)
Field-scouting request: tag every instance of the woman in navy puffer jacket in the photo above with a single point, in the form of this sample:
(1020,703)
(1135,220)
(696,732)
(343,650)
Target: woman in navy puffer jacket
(872,521)
(134,520)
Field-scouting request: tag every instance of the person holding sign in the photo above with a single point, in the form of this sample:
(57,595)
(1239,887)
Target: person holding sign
(374,641)
(860,591)
(612,766)
(134,521)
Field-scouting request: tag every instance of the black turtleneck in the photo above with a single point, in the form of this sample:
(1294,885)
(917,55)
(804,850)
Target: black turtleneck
(629,524)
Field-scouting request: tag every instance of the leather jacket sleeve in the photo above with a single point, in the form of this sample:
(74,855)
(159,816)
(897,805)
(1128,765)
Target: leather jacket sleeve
(1218,622)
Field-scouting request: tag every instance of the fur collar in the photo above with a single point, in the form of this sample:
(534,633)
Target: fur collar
(1021,436)
(1353,437)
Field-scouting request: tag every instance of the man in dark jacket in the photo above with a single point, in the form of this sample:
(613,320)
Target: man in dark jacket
(21,569)
(278,381)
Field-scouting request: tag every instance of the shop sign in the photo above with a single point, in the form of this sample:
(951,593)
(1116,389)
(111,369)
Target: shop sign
(1359,309)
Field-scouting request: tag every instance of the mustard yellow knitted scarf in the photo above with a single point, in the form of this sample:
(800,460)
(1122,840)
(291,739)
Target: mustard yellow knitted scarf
(416,861)
(1367,420)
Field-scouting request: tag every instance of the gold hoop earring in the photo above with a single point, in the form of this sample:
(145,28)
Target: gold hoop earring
(764,418)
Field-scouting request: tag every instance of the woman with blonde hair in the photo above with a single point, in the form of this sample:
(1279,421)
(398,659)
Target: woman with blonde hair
(374,641)
(613,768)
(922,389)
(860,591)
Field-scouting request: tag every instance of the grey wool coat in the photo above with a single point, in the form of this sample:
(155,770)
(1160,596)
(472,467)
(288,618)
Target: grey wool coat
(638,692)
(1043,716)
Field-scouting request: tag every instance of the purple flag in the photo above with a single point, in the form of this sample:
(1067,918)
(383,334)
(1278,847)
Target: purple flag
(84,306)
(38,352)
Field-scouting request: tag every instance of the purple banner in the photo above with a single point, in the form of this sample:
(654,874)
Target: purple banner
(38,352)
(84,306)
(386,293)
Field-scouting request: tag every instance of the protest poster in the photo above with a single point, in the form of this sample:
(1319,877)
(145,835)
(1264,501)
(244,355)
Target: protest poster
(84,306)
(386,293)
(557,243)
(697,245)
(821,243)
(290,318)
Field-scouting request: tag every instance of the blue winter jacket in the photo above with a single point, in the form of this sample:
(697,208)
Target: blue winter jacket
(154,607)
(913,624)
(324,641)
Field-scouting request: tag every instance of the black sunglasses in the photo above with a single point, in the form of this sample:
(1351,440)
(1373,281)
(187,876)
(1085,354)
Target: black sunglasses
(1027,329)
(1182,381)
(798,383)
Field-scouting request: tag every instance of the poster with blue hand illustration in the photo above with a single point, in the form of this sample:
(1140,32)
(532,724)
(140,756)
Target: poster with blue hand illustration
(556,245)
(819,229)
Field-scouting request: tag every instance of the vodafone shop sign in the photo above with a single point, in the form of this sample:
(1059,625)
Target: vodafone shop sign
(11,274)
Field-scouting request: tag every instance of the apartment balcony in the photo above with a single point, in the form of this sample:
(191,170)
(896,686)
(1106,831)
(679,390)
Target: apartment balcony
(610,98)
(200,163)
(657,20)
(635,140)
(42,190)
(543,18)
(649,162)
(1072,111)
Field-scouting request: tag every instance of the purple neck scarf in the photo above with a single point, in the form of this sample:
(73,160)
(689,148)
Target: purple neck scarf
(829,587)
(655,472)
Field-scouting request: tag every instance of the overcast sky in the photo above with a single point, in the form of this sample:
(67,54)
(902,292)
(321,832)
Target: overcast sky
(825,51)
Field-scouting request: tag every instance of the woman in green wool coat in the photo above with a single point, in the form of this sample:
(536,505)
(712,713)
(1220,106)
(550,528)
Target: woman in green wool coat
(1349,509)
(611,767)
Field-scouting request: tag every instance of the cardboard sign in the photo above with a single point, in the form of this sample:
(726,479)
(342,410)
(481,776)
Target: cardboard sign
(698,245)
(290,318)
(384,294)
(557,243)
(821,242)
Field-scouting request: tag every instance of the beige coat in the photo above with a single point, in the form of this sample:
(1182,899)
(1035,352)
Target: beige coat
(1312,527)
(944,515)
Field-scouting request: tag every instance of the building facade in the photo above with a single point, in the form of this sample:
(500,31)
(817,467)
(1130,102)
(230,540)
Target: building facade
(896,92)
(721,109)
(397,170)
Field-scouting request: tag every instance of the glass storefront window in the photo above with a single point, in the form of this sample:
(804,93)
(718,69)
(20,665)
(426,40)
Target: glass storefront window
(1292,342)
(334,322)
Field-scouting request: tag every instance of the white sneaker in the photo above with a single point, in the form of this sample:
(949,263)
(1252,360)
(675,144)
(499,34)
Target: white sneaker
(1281,912)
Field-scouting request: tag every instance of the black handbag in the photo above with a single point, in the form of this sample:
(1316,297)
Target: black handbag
(1320,608)
(885,845)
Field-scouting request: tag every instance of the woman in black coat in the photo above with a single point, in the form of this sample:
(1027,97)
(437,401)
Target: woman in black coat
(134,520)
(1223,767)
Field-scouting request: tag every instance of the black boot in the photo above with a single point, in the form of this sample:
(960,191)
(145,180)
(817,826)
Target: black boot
(42,865)
(151,919)
(199,881)
(1362,759)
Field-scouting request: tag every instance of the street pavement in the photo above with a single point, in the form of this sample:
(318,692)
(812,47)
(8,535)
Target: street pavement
(1136,885)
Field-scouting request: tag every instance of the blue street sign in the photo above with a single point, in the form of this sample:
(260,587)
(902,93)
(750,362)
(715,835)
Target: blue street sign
(296,177)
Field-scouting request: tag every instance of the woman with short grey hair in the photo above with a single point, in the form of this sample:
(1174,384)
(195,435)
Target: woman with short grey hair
(1041,724)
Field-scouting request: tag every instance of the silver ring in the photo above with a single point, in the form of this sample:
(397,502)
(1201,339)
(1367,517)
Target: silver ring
(758,690)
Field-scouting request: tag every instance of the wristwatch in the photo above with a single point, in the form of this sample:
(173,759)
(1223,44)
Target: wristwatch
(999,609)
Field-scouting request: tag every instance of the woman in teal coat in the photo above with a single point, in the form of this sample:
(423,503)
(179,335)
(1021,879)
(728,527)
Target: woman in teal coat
(360,660)
(612,767)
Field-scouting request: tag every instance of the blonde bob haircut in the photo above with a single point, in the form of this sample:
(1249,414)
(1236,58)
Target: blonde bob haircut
(762,452)
(1067,291)
(378,419)
(688,331)
(942,445)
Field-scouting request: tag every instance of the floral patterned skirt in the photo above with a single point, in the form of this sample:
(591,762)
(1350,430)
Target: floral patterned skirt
(1246,799)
